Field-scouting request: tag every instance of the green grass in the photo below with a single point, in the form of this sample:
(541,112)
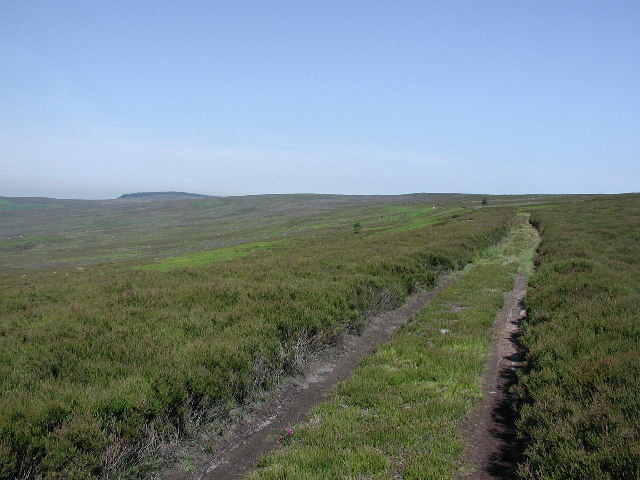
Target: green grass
(100,351)
(424,217)
(213,256)
(397,416)
(94,358)
(93,232)
(580,391)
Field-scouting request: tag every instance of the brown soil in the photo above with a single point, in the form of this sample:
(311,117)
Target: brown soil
(491,445)
(257,433)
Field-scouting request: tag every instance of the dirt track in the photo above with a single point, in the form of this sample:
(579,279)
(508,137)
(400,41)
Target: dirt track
(491,446)
(490,443)
(258,432)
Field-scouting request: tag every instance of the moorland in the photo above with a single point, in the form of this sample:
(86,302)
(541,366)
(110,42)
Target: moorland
(124,323)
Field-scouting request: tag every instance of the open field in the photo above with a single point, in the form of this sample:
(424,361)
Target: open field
(125,323)
(80,232)
(98,359)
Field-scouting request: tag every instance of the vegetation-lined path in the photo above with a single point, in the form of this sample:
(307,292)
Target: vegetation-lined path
(491,444)
(490,440)
(115,369)
(104,368)
(259,432)
(396,416)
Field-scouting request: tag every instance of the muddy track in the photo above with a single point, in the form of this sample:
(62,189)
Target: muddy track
(491,445)
(257,433)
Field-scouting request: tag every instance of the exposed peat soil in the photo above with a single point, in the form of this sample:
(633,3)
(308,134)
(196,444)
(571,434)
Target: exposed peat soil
(491,445)
(258,432)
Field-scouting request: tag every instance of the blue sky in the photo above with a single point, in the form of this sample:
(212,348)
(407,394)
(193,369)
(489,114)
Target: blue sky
(363,97)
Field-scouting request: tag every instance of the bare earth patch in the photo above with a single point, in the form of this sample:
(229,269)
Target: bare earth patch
(491,446)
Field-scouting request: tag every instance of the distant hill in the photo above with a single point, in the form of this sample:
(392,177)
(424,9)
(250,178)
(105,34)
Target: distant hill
(163,195)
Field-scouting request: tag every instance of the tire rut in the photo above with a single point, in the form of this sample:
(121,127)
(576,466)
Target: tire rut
(491,444)
(258,432)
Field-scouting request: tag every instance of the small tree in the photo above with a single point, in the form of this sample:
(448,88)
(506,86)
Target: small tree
(484,201)
(357,227)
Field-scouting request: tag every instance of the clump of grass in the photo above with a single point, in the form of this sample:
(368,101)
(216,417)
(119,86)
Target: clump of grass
(397,416)
(580,394)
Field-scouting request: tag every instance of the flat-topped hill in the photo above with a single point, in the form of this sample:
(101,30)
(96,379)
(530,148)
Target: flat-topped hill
(162,195)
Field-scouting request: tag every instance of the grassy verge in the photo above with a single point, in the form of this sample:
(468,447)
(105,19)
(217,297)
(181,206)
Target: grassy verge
(397,416)
(96,368)
(580,389)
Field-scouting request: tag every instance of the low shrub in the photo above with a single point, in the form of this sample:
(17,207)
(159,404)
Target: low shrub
(580,394)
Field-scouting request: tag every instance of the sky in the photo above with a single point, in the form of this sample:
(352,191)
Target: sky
(240,97)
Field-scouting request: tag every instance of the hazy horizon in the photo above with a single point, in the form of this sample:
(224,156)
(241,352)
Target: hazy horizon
(241,98)
(205,195)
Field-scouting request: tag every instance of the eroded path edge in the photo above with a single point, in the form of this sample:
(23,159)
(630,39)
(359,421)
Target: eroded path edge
(245,442)
(259,433)
(491,446)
